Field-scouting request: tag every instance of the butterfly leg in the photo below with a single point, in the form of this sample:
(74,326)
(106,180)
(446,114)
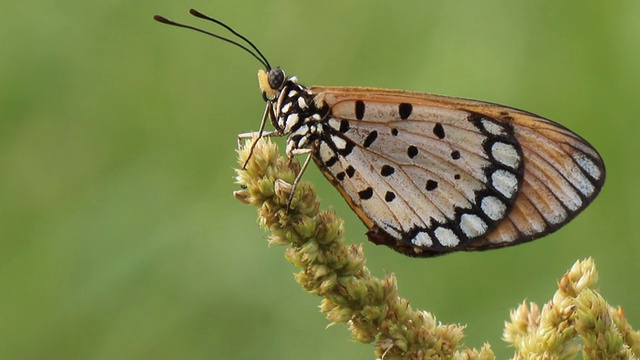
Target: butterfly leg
(268,112)
(302,169)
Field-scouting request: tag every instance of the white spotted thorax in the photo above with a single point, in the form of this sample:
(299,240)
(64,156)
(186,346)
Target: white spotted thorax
(430,174)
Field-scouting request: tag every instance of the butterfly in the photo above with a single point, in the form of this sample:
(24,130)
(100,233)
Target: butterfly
(430,174)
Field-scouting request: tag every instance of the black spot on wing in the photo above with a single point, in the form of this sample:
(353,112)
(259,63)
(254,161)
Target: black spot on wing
(405,109)
(359,109)
(431,185)
(412,151)
(387,170)
(438,130)
(344,126)
(370,138)
(350,171)
(332,160)
(389,196)
(366,194)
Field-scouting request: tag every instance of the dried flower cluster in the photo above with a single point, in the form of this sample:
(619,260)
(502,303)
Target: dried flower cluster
(576,312)
(376,314)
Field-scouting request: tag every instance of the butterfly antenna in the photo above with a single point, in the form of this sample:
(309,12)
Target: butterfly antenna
(261,58)
(200,15)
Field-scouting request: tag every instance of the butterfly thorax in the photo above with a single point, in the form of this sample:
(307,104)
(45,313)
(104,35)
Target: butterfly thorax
(298,116)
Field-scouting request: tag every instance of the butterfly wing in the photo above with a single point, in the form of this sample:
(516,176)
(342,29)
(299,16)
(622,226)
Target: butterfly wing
(429,174)
(563,174)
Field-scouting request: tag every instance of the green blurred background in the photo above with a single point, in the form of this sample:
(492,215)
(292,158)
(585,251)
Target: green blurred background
(120,235)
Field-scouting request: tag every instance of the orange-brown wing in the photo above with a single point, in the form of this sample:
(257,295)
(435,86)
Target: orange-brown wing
(430,174)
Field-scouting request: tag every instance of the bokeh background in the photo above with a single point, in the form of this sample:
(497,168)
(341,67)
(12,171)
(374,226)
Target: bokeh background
(120,237)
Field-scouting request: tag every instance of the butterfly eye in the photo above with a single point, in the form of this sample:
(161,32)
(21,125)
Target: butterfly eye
(276,78)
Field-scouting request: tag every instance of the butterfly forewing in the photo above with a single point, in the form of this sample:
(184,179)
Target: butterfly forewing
(430,174)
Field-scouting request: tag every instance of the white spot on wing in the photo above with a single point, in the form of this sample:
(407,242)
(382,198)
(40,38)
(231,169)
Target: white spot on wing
(285,107)
(422,239)
(335,124)
(341,144)
(326,152)
(505,182)
(587,165)
(556,218)
(292,93)
(493,207)
(569,197)
(493,128)
(584,185)
(446,237)
(506,154)
(472,225)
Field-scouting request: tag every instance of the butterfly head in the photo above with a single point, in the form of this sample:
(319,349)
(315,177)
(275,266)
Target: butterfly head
(271,82)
